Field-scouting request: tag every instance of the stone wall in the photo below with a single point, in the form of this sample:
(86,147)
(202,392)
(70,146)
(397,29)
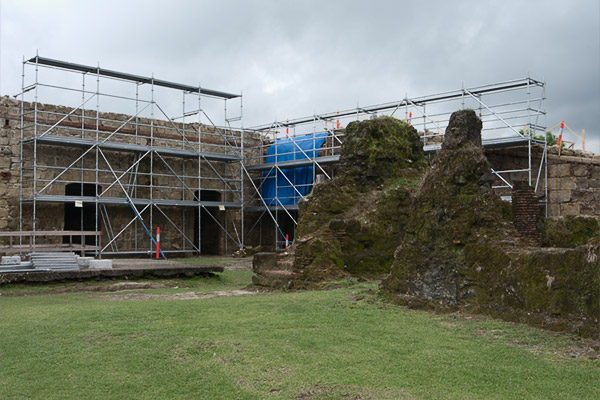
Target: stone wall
(52,160)
(573,183)
(573,177)
(9,165)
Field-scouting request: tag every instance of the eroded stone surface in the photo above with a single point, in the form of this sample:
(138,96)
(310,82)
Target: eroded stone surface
(460,250)
(350,225)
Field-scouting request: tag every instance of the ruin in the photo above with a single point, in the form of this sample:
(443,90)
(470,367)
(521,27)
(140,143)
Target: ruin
(461,249)
(121,159)
(443,233)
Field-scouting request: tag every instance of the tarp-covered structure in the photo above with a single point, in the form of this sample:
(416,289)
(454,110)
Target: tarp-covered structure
(288,186)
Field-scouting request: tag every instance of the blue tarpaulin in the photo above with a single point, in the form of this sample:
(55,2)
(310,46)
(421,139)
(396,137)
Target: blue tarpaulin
(277,190)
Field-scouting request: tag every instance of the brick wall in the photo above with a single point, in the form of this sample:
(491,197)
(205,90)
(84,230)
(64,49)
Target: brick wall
(526,213)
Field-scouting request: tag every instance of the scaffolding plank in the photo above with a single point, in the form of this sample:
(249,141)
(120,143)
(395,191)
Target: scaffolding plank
(509,141)
(136,201)
(291,207)
(130,147)
(305,162)
(430,148)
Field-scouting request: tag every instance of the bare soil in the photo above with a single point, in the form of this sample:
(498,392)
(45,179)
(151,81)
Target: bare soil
(178,296)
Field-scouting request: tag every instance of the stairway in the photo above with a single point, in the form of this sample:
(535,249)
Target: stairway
(273,270)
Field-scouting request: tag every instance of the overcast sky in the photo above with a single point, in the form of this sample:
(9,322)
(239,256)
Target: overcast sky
(292,59)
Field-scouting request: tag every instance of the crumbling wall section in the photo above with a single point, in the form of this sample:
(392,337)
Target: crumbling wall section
(349,225)
(460,250)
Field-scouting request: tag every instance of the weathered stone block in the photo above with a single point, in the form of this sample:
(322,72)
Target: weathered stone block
(4,162)
(567,184)
(264,262)
(580,170)
(569,209)
(559,170)
(84,262)
(562,183)
(553,183)
(560,196)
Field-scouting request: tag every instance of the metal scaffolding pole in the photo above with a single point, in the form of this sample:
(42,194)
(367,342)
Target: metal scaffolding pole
(139,135)
(501,108)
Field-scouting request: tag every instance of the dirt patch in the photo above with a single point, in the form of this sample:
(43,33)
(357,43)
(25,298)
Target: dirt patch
(333,391)
(78,287)
(116,287)
(579,348)
(244,263)
(178,296)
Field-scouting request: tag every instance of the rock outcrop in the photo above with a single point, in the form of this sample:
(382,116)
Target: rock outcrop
(349,225)
(454,212)
(460,249)
(443,239)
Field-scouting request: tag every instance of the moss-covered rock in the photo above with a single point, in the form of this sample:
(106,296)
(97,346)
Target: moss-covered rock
(455,207)
(461,251)
(358,242)
(571,231)
(380,149)
(351,224)
(446,238)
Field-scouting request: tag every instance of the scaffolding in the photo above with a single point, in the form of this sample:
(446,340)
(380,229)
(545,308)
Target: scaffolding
(512,113)
(127,154)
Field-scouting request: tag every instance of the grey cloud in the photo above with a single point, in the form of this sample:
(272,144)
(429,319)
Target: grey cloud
(294,58)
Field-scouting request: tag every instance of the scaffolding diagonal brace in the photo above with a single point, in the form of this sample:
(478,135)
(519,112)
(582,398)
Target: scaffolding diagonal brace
(135,210)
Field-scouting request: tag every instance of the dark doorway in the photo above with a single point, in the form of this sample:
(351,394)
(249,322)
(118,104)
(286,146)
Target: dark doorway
(210,235)
(80,218)
(287,225)
(272,237)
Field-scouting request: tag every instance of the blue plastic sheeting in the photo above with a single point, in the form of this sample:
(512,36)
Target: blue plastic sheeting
(277,190)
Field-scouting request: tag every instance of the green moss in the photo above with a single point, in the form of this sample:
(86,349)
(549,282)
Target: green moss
(459,250)
(351,224)
(571,231)
(380,149)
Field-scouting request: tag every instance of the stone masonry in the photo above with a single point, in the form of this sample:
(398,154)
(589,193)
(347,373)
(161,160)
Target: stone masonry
(85,124)
(573,177)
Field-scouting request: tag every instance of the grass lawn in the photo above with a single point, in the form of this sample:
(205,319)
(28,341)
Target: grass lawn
(88,343)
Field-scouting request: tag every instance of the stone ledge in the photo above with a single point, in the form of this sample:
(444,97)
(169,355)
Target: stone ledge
(593,160)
